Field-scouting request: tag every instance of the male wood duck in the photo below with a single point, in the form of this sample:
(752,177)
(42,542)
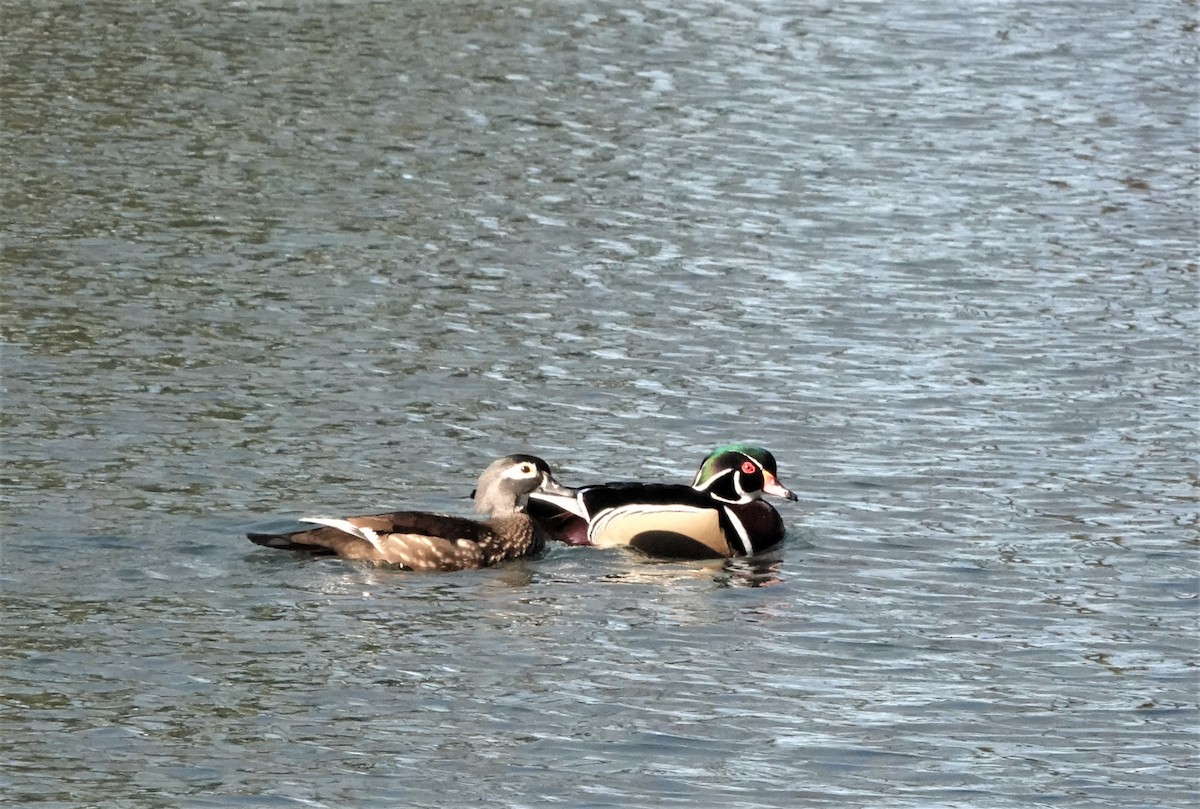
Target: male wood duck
(721,514)
(416,540)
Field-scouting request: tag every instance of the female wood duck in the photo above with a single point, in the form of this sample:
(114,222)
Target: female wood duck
(416,540)
(721,514)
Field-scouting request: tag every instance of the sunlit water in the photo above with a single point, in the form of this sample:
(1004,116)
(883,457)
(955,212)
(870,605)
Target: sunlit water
(266,259)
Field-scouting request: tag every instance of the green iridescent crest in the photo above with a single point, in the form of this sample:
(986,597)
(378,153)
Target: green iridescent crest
(728,457)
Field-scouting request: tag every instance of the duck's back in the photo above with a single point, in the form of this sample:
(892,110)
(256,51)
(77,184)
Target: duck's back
(418,540)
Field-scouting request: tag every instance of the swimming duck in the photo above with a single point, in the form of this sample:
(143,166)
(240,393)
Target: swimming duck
(416,540)
(721,514)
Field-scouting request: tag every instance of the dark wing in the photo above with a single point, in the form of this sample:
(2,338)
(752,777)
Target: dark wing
(614,495)
(323,540)
(424,523)
(326,539)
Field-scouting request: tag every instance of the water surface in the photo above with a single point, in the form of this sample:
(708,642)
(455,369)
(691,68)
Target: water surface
(261,260)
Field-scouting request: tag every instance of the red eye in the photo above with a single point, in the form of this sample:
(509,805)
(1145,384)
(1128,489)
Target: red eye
(749,468)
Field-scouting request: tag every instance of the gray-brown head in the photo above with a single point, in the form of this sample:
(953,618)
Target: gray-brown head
(504,487)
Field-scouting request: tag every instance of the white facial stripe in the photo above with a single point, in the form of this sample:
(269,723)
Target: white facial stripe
(712,480)
(744,497)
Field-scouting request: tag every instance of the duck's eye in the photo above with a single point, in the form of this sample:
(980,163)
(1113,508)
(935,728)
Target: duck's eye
(749,468)
(527,469)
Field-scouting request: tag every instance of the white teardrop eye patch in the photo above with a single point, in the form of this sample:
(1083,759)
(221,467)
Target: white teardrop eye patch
(522,471)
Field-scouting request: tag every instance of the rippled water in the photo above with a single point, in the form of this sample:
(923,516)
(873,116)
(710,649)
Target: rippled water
(265,259)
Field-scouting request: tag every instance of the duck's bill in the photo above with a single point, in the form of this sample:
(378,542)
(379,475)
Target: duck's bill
(559,498)
(774,488)
(551,486)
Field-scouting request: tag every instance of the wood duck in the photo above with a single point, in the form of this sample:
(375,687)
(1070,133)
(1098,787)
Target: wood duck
(416,540)
(721,514)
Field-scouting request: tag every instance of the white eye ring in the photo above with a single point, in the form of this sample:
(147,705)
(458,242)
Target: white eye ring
(521,471)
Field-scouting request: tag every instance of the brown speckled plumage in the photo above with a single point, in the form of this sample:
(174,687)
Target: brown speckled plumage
(422,541)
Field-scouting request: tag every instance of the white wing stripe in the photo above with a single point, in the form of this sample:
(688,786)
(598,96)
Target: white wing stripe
(348,527)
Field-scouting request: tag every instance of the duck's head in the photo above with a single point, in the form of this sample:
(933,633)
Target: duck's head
(740,473)
(504,486)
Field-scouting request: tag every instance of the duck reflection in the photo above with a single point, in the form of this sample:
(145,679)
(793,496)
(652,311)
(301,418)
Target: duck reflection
(762,570)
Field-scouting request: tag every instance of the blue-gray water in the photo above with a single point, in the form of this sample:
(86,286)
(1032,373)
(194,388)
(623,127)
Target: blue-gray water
(262,259)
